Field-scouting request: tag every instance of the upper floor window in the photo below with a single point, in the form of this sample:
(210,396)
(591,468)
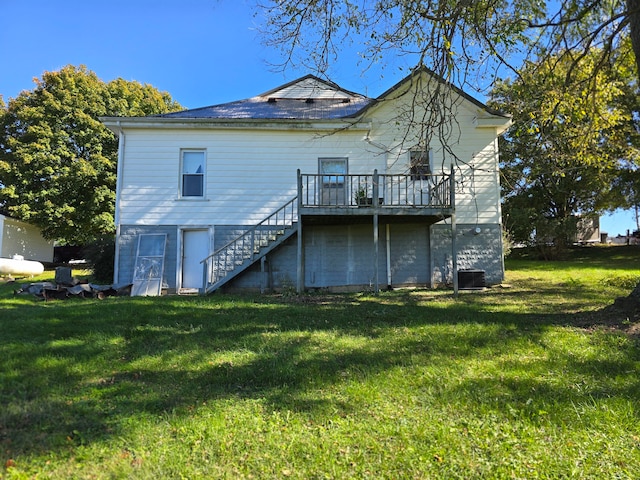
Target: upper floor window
(420,164)
(192,173)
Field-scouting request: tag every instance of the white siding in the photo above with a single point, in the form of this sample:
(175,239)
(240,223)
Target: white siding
(19,238)
(477,176)
(249,173)
(309,88)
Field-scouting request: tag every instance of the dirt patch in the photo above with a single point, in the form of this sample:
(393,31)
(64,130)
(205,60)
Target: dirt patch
(623,315)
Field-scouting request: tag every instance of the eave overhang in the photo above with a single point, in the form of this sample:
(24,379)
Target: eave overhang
(500,122)
(117,124)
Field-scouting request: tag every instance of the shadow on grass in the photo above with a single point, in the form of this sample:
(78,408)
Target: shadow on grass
(591,256)
(78,372)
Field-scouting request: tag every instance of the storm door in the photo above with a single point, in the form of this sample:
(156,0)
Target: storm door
(147,274)
(332,181)
(195,248)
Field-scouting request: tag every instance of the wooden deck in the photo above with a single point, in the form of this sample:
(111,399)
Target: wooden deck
(399,197)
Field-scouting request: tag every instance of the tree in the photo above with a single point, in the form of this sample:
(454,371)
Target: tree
(463,41)
(567,146)
(57,161)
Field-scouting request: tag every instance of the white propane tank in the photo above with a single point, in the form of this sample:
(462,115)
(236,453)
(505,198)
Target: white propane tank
(17,265)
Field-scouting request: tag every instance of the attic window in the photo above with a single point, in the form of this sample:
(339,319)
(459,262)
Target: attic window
(346,100)
(271,100)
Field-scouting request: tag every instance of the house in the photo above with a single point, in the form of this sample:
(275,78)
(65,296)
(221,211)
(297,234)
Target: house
(588,229)
(311,186)
(18,238)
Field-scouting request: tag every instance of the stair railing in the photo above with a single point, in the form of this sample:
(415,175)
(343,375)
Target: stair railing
(246,246)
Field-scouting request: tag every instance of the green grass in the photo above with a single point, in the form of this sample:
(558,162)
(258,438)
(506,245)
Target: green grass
(409,384)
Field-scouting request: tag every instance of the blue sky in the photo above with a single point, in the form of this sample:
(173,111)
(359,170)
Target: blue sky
(203,52)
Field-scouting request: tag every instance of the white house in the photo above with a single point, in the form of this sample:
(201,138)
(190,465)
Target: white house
(23,239)
(311,186)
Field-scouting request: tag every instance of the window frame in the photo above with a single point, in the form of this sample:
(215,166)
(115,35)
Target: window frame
(420,169)
(184,175)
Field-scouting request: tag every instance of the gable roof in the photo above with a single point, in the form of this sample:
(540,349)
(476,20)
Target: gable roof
(307,98)
(423,70)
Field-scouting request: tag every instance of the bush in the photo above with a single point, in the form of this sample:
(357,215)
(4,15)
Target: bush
(621,281)
(100,255)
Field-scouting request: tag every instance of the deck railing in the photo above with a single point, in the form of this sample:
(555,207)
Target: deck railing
(387,190)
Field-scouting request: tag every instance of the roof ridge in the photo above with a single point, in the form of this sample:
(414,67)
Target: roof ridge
(310,76)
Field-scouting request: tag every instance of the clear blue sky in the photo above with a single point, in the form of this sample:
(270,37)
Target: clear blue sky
(203,52)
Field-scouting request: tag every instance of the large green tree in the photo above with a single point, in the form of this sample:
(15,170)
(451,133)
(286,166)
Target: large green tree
(58,161)
(569,144)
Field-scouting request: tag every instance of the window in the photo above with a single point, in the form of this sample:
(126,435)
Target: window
(420,164)
(333,171)
(192,173)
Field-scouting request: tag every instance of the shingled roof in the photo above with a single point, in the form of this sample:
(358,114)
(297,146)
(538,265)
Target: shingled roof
(308,98)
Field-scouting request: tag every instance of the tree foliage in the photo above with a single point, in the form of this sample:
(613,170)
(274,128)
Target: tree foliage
(567,146)
(58,161)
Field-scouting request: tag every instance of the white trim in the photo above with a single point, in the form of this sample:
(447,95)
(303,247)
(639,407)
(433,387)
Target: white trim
(116,212)
(114,123)
(181,174)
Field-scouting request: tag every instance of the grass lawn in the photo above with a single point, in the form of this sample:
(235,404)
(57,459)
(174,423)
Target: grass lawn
(533,379)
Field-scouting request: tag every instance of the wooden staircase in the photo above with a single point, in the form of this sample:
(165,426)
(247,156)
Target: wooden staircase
(243,251)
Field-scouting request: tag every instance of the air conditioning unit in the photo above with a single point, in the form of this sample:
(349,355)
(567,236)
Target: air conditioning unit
(471,279)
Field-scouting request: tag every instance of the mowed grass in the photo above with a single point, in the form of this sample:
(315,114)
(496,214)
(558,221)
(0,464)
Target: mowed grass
(503,383)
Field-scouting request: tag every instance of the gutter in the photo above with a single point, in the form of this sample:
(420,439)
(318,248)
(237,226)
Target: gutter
(115,124)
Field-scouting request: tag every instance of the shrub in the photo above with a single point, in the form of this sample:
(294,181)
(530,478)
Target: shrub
(621,281)
(100,254)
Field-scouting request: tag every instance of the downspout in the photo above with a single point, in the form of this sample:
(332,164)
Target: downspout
(116,213)
(379,146)
(500,221)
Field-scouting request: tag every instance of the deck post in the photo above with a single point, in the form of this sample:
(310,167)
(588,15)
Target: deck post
(205,277)
(376,207)
(454,249)
(300,267)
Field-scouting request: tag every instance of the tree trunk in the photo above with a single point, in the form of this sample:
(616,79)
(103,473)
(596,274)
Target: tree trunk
(633,17)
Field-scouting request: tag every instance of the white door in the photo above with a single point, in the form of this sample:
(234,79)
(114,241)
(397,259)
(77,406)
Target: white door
(195,248)
(333,171)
